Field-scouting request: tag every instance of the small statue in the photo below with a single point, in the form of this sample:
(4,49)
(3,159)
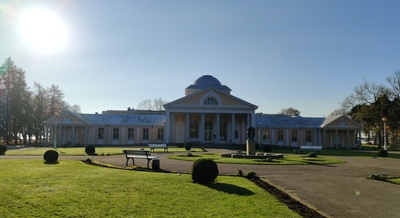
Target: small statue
(250,133)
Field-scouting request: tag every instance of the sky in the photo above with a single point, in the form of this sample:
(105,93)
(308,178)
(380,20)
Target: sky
(111,55)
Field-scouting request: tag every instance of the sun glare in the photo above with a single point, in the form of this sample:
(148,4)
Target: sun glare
(42,30)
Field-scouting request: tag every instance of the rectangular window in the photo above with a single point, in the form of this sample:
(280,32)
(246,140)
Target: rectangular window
(236,134)
(266,135)
(308,136)
(294,136)
(115,133)
(145,134)
(280,135)
(100,134)
(130,133)
(160,134)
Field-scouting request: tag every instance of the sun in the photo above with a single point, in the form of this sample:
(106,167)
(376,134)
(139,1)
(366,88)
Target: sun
(42,30)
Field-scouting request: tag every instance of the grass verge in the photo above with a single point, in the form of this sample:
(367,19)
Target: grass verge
(288,160)
(31,188)
(80,151)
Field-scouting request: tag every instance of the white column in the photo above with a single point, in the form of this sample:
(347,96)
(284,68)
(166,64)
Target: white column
(273,137)
(187,128)
(122,141)
(233,128)
(172,127)
(217,127)
(167,127)
(287,137)
(202,128)
(73,135)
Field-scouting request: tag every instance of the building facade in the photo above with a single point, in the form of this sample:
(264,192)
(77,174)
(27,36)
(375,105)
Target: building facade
(207,114)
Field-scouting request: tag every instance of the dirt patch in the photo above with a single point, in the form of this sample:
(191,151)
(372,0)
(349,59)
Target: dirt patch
(286,199)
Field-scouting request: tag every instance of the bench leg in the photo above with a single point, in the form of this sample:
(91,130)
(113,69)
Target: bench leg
(148,161)
(127,160)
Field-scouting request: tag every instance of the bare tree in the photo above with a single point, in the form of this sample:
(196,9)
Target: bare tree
(394,82)
(290,111)
(147,104)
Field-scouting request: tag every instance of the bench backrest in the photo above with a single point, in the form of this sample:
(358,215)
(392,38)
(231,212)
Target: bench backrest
(137,152)
(157,145)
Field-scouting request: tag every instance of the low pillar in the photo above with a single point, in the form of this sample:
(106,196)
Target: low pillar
(251,147)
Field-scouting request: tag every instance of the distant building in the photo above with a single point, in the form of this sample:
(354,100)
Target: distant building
(207,114)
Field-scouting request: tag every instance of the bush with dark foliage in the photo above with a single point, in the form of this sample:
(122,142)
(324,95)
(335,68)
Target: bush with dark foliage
(382,153)
(188,146)
(90,150)
(312,154)
(50,156)
(3,149)
(204,171)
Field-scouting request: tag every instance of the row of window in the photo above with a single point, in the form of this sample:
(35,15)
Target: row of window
(145,135)
(208,131)
(280,135)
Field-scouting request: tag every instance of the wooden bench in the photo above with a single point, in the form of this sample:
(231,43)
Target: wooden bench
(138,154)
(153,146)
(310,148)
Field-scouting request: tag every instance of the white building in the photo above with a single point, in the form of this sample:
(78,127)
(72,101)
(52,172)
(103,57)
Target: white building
(207,114)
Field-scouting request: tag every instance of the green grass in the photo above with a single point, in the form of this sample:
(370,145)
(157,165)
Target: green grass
(81,151)
(30,188)
(348,153)
(394,181)
(288,160)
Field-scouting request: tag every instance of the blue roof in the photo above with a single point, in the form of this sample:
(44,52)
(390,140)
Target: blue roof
(125,119)
(284,121)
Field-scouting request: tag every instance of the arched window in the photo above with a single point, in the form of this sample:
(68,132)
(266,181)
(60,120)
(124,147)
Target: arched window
(211,101)
(208,131)
(194,130)
(222,130)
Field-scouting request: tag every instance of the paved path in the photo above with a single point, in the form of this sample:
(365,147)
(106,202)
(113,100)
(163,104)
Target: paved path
(339,190)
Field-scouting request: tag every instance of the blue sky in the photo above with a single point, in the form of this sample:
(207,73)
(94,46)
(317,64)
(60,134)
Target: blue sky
(275,54)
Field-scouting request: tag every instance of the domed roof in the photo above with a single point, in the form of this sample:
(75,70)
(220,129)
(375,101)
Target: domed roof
(207,81)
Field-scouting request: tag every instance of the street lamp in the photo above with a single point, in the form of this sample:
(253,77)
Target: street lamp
(55,130)
(384,133)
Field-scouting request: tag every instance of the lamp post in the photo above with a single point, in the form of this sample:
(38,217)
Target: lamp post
(384,133)
(55,130)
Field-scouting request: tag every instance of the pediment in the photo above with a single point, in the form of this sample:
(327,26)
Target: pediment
(200,99)
(340,122)
(67,118)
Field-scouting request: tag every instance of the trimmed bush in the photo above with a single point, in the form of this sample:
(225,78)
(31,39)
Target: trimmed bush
(204,171)
(382,153)
(50,156)
(3,149)
(188,146)
(90,150)
(312,154)
(250,174)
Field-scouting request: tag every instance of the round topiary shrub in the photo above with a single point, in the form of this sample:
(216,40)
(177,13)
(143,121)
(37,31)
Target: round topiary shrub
(312,154)
(204,171)
(3,149)
(90,150)
(50,156)
(382,153)
(188,146)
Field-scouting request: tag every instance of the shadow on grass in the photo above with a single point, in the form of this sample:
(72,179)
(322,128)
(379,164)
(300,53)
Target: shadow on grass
(51,162)
(231,189)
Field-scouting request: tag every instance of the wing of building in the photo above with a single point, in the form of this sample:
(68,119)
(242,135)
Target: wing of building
(207,114)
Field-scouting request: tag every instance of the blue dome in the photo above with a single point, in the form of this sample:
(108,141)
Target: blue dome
(207,81)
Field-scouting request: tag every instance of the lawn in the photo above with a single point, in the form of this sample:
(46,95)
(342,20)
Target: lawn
(70,188)
(288,160)
(352,153)
(80,151)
